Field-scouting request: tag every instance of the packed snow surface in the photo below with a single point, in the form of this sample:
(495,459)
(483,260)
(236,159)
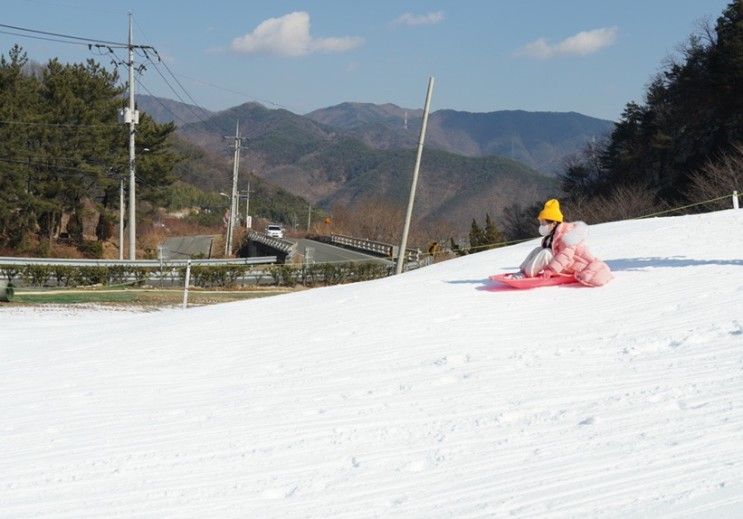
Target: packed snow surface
(424,395)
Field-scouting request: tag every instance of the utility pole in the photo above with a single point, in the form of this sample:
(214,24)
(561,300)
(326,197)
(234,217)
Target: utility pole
(248,221)
(309,216)
(411,200)
(233,198)
(121,216)
(133,119)
(130,116)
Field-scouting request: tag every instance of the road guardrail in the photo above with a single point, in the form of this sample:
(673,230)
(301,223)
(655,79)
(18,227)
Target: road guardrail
(375,247)
(12,261)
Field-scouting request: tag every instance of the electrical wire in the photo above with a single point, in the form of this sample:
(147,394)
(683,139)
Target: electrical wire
(33,37)
(47,166)
(205,121)
(165,65)
(199,117)
(183,88)
(67,36)
(247,96)
(59,125)
(158,101)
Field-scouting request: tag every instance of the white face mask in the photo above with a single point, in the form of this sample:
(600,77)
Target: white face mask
(545,229)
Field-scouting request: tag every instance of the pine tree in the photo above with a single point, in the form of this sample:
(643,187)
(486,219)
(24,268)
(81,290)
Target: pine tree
(18,101)
(693,113)
(61,143)
(492,236)
(477,237)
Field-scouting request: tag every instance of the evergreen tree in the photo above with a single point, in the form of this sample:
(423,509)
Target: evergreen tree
(693,113)
(477,237)
(18,101)
(491,235)
(61,144)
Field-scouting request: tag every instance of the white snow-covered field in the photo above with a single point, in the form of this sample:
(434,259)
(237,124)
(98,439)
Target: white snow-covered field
(423,395)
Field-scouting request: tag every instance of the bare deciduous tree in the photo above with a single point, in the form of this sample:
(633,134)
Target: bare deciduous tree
(718,178)
(623,203)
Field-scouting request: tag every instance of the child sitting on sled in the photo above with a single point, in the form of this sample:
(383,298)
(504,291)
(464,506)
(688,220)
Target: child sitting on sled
(563,251)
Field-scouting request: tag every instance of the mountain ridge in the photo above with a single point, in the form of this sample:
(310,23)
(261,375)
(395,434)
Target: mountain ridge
(539,139)
(352,153)
(330,168)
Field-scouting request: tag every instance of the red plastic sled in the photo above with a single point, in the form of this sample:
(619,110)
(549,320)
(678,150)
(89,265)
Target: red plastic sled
(532,282)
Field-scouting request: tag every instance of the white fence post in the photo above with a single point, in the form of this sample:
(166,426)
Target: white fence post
(735,200)
(188,280)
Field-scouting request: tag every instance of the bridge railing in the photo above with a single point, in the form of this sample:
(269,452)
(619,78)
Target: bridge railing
(375,247)
(284,246)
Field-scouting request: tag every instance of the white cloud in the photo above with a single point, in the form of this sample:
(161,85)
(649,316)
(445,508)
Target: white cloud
(289,35)
(581,44)
(419,19)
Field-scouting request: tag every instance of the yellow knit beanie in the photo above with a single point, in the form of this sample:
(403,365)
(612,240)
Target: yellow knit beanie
(551,211)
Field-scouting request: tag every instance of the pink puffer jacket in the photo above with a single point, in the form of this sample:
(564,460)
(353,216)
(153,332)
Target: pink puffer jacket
(572,256)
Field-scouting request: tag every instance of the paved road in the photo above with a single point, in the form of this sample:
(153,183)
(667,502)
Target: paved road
(326,253)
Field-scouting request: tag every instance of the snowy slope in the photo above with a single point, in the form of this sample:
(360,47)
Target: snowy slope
(423,395)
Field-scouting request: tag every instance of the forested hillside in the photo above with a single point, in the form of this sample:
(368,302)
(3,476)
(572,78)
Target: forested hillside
(682,144)
(332,169)
(540,140)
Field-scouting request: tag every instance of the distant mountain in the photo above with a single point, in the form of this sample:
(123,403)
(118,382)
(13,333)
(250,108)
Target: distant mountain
(212,172)
(353,153)
(282,136)
(164,110)
(451,187)
(355,115)
(329,166)
(541,140)
(379,126)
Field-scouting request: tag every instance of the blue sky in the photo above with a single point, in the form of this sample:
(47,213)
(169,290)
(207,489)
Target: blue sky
(588,56)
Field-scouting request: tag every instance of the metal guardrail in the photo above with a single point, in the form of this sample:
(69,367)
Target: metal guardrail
(284,246)
(383,249)
(11,261)
(376,247)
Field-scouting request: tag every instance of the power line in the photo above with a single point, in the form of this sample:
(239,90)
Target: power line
(157,99)
(175,78)
(68,125)
(43,38)
(159,58)
(93,42)
(93,171)
(198,116)
(174,75)
(193,103)
(47,166)
(248,96)
(67,36)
